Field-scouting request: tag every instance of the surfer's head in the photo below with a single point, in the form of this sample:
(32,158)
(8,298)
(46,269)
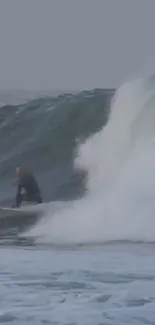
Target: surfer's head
(19,172)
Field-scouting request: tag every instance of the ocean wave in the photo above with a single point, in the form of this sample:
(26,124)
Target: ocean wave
(42,134)
(119,161)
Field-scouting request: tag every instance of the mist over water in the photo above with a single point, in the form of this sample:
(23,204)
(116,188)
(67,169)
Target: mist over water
(120,164)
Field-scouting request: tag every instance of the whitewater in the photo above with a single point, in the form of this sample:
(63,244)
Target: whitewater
(119,203)
(90,259)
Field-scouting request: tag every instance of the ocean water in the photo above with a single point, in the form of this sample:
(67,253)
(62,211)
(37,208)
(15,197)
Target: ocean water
(105,284)
(89,258)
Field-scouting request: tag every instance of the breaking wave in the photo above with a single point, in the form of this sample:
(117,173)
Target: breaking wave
(120,164)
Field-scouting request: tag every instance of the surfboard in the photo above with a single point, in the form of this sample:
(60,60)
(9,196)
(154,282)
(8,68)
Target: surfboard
(6,212)
(18,219)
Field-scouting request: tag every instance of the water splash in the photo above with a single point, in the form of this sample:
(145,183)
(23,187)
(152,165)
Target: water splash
(120,162)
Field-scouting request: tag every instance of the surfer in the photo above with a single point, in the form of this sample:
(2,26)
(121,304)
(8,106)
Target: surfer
(27,188)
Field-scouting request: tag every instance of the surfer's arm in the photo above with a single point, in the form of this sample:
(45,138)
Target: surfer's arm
(18,195)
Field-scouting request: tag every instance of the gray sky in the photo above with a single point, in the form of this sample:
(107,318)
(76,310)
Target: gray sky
(75,44)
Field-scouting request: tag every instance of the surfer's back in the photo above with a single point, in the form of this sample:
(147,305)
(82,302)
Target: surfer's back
(29,183)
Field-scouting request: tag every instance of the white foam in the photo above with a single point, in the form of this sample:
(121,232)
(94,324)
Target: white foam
(120,161)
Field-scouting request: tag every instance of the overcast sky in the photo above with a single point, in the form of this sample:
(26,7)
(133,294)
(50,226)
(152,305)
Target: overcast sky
(75,44)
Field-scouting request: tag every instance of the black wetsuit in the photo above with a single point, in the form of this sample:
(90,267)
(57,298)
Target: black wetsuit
(32,192)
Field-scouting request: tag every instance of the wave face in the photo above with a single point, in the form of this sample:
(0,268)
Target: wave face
(41,135)
(119,161)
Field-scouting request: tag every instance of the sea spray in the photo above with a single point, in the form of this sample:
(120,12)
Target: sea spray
(120,163)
